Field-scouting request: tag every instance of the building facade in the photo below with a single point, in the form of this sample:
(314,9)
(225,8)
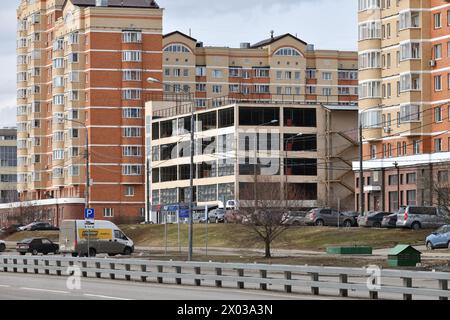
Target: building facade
(82,66)
(404,79)
(279,68)
(8,165)
(302,153)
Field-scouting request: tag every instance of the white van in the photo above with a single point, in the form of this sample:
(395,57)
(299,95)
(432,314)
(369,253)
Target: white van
(76,236)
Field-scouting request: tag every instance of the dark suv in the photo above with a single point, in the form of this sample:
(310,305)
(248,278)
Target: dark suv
(331,217)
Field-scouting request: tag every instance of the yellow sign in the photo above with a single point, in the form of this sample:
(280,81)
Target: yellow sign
(95,234)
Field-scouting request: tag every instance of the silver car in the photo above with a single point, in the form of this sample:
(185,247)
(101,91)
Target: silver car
(421,217)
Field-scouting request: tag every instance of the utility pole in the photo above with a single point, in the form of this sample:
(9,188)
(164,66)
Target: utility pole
(191,187)
(361,171)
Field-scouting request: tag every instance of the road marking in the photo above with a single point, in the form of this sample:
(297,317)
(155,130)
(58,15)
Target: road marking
(104,297)
(45,290)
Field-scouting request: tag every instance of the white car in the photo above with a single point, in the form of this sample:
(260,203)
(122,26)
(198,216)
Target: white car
(2,246)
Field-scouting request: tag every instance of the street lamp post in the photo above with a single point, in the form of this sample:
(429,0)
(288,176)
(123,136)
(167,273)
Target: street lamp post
(191,169)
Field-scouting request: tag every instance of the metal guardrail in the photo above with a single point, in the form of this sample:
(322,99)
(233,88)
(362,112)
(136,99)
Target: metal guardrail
(260,276)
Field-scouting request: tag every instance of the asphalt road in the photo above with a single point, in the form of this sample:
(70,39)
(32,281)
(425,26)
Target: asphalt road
(34,287)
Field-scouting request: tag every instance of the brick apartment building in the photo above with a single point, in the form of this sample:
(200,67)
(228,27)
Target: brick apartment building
(404,60)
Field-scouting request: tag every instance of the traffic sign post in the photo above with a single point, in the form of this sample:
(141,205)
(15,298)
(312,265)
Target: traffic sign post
(89,217)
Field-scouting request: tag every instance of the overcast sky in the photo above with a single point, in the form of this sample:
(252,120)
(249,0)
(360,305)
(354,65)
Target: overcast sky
(328,24)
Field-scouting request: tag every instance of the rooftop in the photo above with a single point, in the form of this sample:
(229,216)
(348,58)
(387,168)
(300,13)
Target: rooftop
(118,3)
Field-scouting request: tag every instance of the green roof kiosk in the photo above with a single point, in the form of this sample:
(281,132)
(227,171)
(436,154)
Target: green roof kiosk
(404,256)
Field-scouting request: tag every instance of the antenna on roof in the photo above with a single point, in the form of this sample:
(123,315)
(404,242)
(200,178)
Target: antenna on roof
(190,35)
(271,34)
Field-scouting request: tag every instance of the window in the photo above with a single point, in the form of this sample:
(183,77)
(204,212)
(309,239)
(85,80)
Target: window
(131,56)
(132,170)
(217,74)
(217,88)
(410,50)
(131,94)
(370,89)
(58,154)
(253,116)
(290,52)
(58,63)
(371,119)
(131,132)
(327,76)
(108,212)
(438,114)
(129,191)
(437,49)
(132,37)
(73,58)
(73,38)
(131,113)
(410,81)
(132,151)
(437,20)
(411,178)
(411,197)
(373,152)
(58,99)
(200,71)
(409,113)
(132,75)
(370,30)
(177,48)
(438,145)
(438,83)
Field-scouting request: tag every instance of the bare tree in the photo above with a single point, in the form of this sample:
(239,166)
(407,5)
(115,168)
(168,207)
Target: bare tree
(263,209)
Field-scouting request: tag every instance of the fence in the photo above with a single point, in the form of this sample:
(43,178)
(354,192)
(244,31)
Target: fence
(331,281)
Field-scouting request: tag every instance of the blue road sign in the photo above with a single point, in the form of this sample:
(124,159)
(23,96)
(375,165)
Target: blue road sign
(89,214)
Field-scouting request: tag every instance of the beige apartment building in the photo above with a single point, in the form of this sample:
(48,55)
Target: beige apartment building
(276,69)
(404,101)
(81,70)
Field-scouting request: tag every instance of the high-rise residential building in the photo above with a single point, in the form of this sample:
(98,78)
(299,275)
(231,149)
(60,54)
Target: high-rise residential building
(278,68)
(279,101)
(8,165)
(82,67)
(404,101)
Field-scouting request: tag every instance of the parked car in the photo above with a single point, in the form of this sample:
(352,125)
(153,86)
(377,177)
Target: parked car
(36,246)
(331,217)
(418,217)
(295,218)
(389,221)
(439,239)
(372,219)
(8,230)
(39,226)
(2,246)
(233,216)
(217,215)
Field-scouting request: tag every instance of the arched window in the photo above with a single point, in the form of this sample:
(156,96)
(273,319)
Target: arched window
(177,47)
(291,52)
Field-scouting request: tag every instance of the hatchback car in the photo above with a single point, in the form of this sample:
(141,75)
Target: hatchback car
(372,220)
(36,246)
(439,239)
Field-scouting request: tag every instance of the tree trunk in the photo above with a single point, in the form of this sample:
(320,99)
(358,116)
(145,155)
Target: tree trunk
(268,255)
